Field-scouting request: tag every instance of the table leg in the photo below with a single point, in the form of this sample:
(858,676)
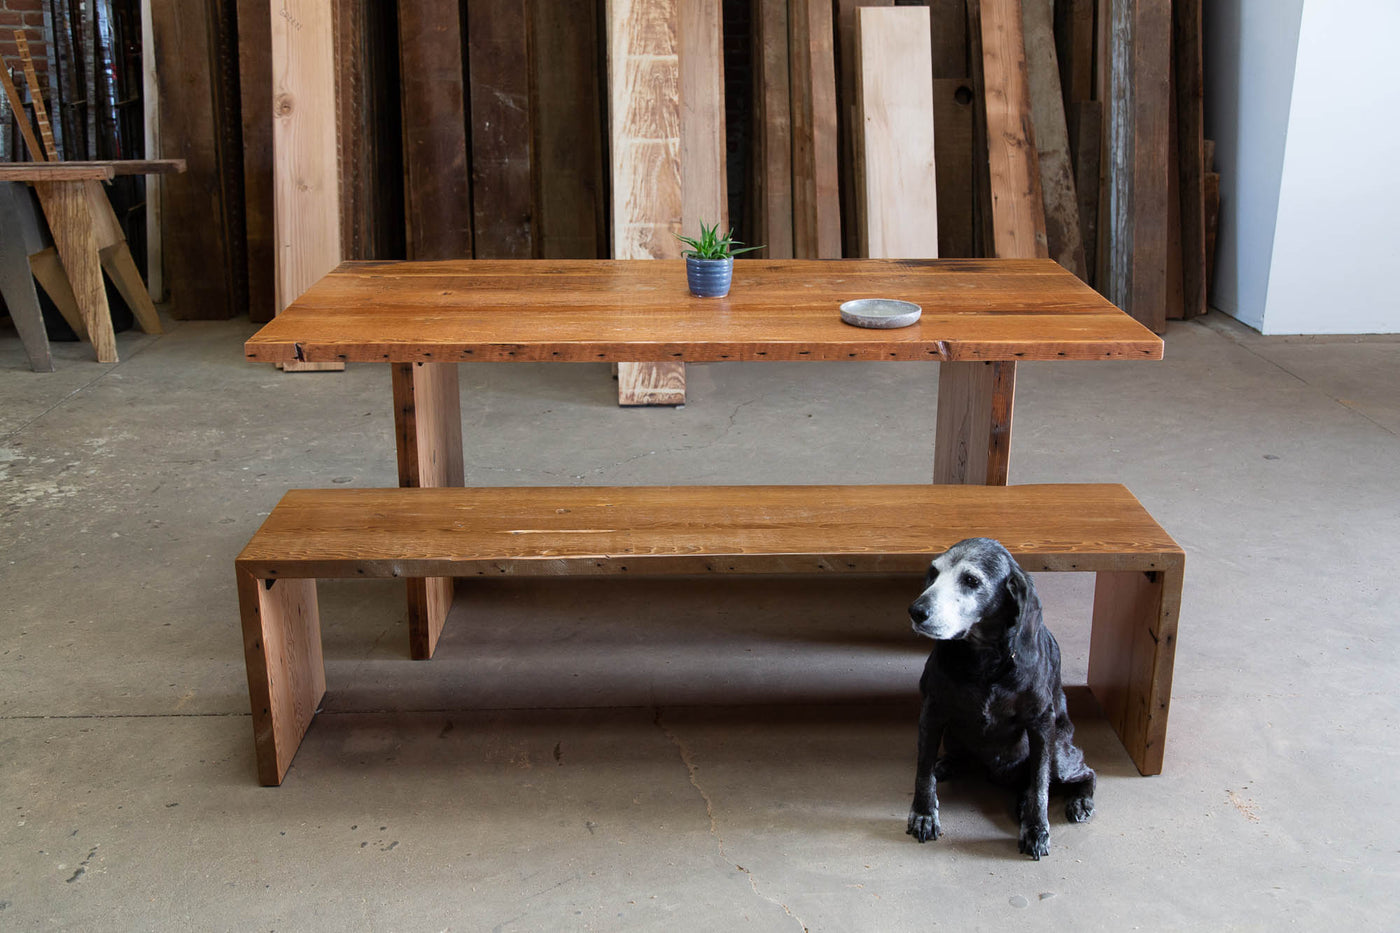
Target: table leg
(1132,653)
(428,432)
(70,220)
(972,441)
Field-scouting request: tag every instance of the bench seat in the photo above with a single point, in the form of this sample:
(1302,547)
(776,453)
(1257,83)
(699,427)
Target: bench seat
(547,531)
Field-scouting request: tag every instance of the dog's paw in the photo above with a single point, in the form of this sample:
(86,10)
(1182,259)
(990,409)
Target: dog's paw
(924,826)
(1035,840)
(1080,809)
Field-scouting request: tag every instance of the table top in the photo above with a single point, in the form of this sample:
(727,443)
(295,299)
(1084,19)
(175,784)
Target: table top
(88,171)
(641,311)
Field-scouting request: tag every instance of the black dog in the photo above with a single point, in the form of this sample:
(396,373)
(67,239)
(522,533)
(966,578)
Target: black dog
(992,692)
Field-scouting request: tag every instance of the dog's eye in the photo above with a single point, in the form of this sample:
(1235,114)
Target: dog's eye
(969,582)
(930,576)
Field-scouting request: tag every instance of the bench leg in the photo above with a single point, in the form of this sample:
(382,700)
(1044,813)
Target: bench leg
(1132,649)
(286,672)
(428,433)
(70,220)
(972,441)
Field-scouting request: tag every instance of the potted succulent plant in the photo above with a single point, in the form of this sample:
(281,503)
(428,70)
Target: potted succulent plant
(709,262)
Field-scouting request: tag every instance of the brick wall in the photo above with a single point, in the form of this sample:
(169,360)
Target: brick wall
(29,16)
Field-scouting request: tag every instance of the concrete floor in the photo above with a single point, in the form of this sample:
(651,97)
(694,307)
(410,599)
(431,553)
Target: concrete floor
(682,754)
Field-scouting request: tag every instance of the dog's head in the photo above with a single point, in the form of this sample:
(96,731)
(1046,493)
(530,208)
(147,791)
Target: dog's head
(974,586)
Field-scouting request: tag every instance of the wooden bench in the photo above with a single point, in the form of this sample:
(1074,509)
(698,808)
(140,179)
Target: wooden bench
(454,532)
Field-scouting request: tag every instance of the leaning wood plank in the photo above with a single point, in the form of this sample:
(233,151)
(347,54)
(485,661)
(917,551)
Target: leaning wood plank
(648,192)
(306,179)
(953,145)
(1137,131)
(1074,50)
(897,200)
(773,150)
(150,102)
(1086,140)
(816,183)
(567,119)
(203,268)
(255,92)
(847,68)
(21,116)
(1018,209)
(948,38)
(36,95)
(436,192)
(1057,186)
(70,220)
(701,62)
(498,65)
(1190,124)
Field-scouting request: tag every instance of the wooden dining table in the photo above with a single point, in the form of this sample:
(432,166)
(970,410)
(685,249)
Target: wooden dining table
(981,317)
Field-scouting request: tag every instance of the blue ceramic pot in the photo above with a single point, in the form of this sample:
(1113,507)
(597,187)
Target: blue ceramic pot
(709,278)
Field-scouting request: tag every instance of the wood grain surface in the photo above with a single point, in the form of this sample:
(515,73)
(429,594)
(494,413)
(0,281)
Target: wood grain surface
(697,529)
(618,311)
(896,196)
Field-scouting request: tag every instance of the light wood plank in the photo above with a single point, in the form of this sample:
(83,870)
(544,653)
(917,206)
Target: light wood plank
(70,220)
(847,114)
(698,529)
(649,190)
(428,435)
(48,270)
(1018,209)
(897,194)
(31,143)
(1057,183)
(1132,653)
(306,174)
(285,665)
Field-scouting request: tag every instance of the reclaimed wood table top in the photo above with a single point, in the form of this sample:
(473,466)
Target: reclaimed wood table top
(641,311)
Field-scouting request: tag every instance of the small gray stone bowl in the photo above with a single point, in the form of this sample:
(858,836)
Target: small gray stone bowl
(883,313)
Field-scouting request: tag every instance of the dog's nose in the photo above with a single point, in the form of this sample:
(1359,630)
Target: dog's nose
(919,613)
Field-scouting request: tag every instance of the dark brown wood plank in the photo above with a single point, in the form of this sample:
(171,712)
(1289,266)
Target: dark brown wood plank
(498,67)
(570,204)
(205,268)
(1190,126)
(255,93)
(1086,144)
(623,311)
(438,211)
(816,185)
(948,38)
(953,127)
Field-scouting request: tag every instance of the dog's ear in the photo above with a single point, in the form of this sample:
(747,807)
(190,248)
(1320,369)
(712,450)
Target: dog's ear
(1021,589)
